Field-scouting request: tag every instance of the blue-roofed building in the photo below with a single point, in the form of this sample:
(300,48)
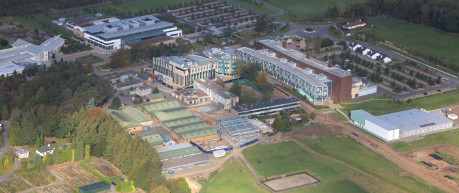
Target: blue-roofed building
(182,71)
(401,124)
(223,60)
(167,140)
(114,35)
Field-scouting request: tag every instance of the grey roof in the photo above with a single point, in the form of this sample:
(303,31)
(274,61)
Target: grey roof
(144,87)
(20,151)
(20,42)
(301,57)
(136,30)
(219,54)
(100,27)
(9,59)
(215,88)
(414,119)
(53,43)
(237,125)
(186,161)
(309,78)
(10,68)
(198,59)
(264,104)
(189,61)
(143,76)
(45,149)
(173,147)
(128,83)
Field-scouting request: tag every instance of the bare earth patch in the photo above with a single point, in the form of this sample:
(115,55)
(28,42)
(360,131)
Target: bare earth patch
(291,181)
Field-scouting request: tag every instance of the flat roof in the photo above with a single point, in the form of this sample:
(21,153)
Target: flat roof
(302,58)
(189,61)
(136,32)
(188,160)
(180,122)
(173,147)
(136,114)
(309,78)
(160,105)
(125,120)
(190,127)
(8,68)
(53,43)
(215,88)
(198,133)
(154,140)
(156,96)
(173,114)
(237,125)
(264,104)
(176,153)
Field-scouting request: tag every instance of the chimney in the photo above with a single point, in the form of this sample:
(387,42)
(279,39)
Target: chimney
(330,63)
(308,54)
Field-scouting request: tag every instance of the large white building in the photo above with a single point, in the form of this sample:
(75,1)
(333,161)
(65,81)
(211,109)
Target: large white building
(114,35)
(217,93)
(24,53)
(401,124)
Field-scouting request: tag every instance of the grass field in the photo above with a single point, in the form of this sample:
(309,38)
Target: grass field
(141,5)
(307,9)
(229,179)
(425,40)
(340,116)
(263,9)
(347,150)
(447,137)
(275,159)
(86,59)
(379,107)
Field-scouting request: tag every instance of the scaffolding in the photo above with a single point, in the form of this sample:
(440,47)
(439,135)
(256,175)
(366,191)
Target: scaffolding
(237,130)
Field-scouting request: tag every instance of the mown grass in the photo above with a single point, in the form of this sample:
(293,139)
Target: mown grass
(423,39)
(234,177)
(86,59)
(346,149)
(380,107)
(446,137)
(306,9)
(262,9)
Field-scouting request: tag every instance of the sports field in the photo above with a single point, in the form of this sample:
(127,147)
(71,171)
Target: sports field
(262,9)
(382,105)
(275,159)
(346,149)
(447,137)
(423,39)
(307,9)
(234,177)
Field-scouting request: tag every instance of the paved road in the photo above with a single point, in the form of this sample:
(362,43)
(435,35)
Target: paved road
(10,174)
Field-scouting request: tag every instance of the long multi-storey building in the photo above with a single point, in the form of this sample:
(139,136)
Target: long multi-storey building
(316,87)
(341,79)
(223,60)
(114,35)
(268,107)
(182,71)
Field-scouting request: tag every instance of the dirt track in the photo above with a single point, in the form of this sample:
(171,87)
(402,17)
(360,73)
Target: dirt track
(329,125)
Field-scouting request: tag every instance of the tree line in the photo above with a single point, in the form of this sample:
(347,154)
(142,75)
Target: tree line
(29,7)
(442,14)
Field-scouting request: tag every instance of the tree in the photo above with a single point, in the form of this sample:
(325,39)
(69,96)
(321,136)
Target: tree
(37,161)
(262,81)
(220,82)
(326,43)
(4,114)
(87,152)
(249,97)
(156,90)
(267,96)
(119,186)
(236,88)
(90,105)
(278,124)
(227,32)
(160,189)
(116,103)
(79,151)
(261,24)
(3,42)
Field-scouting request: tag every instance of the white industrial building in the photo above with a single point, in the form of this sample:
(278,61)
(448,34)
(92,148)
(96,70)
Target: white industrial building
(401,124)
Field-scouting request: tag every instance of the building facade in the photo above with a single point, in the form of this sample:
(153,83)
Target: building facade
(182,71)
(268,107)
(217,93)
(224,60)
(402,124)
(341,79)
(316,87)
(114,35)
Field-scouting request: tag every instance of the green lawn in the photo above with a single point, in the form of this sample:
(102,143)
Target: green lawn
(229,179)
(340,116)
(447,137)
(346,149)
(86,59)
(38,22)
(262,9)
(425,40)
(275,159)
(380,107)
(141,5)
(307,9)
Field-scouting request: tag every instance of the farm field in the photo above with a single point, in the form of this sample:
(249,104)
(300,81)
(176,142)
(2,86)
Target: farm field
(425,40)
(263,9)
(346,149)
(286,158)
(234,177)
(380,107)
(447,137)
(307,9)
(26,181)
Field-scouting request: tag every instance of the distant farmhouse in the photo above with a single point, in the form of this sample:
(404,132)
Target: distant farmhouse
(354,24)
